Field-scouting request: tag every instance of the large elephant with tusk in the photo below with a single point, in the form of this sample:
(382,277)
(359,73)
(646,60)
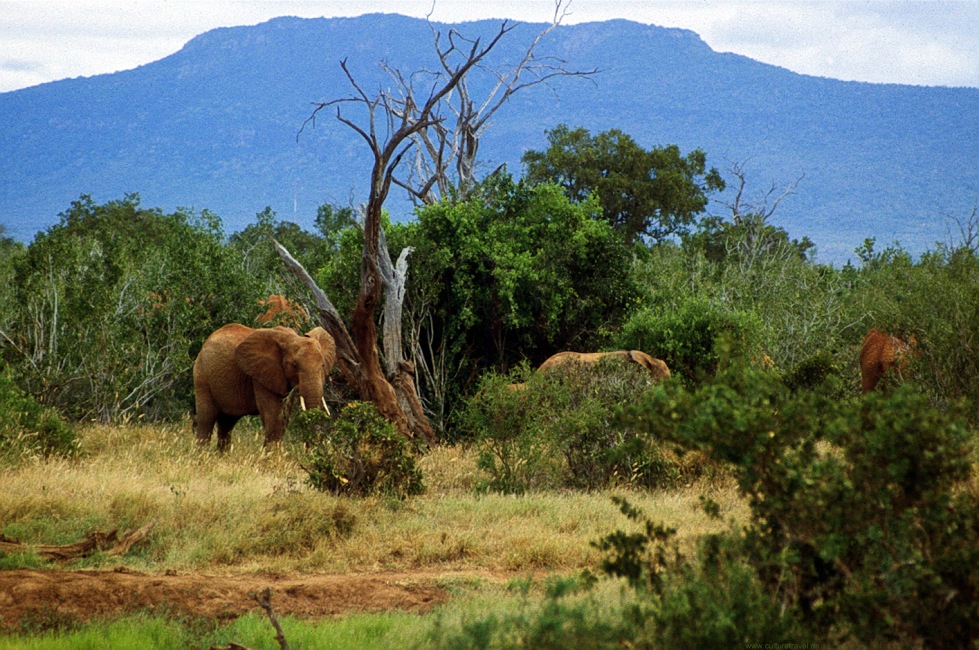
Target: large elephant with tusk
(244,371)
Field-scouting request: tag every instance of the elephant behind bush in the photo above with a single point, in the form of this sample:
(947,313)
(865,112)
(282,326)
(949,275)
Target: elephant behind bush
(656,367)
(881,354)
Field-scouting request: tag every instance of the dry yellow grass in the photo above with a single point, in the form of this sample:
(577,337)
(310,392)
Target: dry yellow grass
(250,510)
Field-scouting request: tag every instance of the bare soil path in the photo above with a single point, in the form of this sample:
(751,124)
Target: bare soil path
(84,595)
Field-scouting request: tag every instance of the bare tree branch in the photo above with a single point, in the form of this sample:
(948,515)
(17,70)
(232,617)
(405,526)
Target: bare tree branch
(968,228)
(763,208)
(441,149)
(264,600)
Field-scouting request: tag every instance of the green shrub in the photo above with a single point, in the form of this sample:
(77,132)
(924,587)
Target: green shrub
(713,601)
(863,525)
(508,427)
(935,300)
(357,452)
(690,338)
(27,427)
(558,430)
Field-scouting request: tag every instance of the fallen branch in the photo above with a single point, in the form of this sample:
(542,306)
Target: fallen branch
(264,601)
(110,543)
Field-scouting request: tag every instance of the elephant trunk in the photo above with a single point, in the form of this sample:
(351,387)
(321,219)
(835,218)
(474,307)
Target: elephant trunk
(311,393)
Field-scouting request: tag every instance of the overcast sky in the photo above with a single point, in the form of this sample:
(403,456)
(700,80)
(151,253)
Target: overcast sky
(930,42)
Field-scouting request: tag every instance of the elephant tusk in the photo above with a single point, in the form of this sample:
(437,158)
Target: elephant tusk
(302,403)
(325,407)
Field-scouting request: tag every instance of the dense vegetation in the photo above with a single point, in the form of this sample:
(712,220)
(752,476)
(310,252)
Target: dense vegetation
(863,510)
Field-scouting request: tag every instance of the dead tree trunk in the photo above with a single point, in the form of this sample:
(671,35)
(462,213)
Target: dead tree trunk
(358,349)
(393,393)
(400,371)
(397,120)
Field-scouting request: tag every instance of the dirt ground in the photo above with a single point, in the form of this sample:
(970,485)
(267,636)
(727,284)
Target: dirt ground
(82,595)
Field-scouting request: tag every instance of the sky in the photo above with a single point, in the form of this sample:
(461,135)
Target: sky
(918,42)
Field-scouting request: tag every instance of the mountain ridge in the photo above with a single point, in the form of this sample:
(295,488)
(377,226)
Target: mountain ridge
(214,126)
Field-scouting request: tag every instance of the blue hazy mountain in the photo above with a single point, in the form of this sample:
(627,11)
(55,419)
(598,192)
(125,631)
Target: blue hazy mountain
(216,126)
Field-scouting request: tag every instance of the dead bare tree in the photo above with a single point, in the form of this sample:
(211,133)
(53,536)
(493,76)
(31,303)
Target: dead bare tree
(453,144)
(397,121)
(357,350)
(762,208)
(753,215)
(968,227)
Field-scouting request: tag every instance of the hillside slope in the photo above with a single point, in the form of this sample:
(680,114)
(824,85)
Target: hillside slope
(216,126)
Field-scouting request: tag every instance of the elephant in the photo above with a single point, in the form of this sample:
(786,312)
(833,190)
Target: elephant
(882,353)
(656,367)
(243,371)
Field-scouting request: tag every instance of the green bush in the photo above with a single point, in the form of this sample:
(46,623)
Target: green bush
(112,305)
(27,427)
(779,308)
(935,300)
(507,425)
(558,430)
(691,338)
(863,524)
(357,453)
(713,601)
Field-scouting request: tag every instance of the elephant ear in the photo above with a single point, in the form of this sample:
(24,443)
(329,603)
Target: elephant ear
(327,345)
(260,357)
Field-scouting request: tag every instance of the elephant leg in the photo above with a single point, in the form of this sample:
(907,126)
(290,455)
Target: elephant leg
(225,424)
(204,417)
(272,424)
(270,409)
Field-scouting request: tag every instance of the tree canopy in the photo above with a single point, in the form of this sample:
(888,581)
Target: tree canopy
(650,194)
(522,272)
(114,302)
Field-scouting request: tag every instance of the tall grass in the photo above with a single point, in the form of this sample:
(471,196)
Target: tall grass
(251,510)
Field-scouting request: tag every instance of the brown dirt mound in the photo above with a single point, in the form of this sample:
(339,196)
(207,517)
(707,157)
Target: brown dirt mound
(83,595)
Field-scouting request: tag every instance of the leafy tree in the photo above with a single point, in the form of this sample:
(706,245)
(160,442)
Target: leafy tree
(333,221)
(260,261)
(651,193)
(113,304)
(517,272)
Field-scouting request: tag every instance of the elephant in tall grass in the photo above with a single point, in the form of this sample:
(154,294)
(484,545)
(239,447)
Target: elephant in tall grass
(657,368)
(243,371)
(880,354)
